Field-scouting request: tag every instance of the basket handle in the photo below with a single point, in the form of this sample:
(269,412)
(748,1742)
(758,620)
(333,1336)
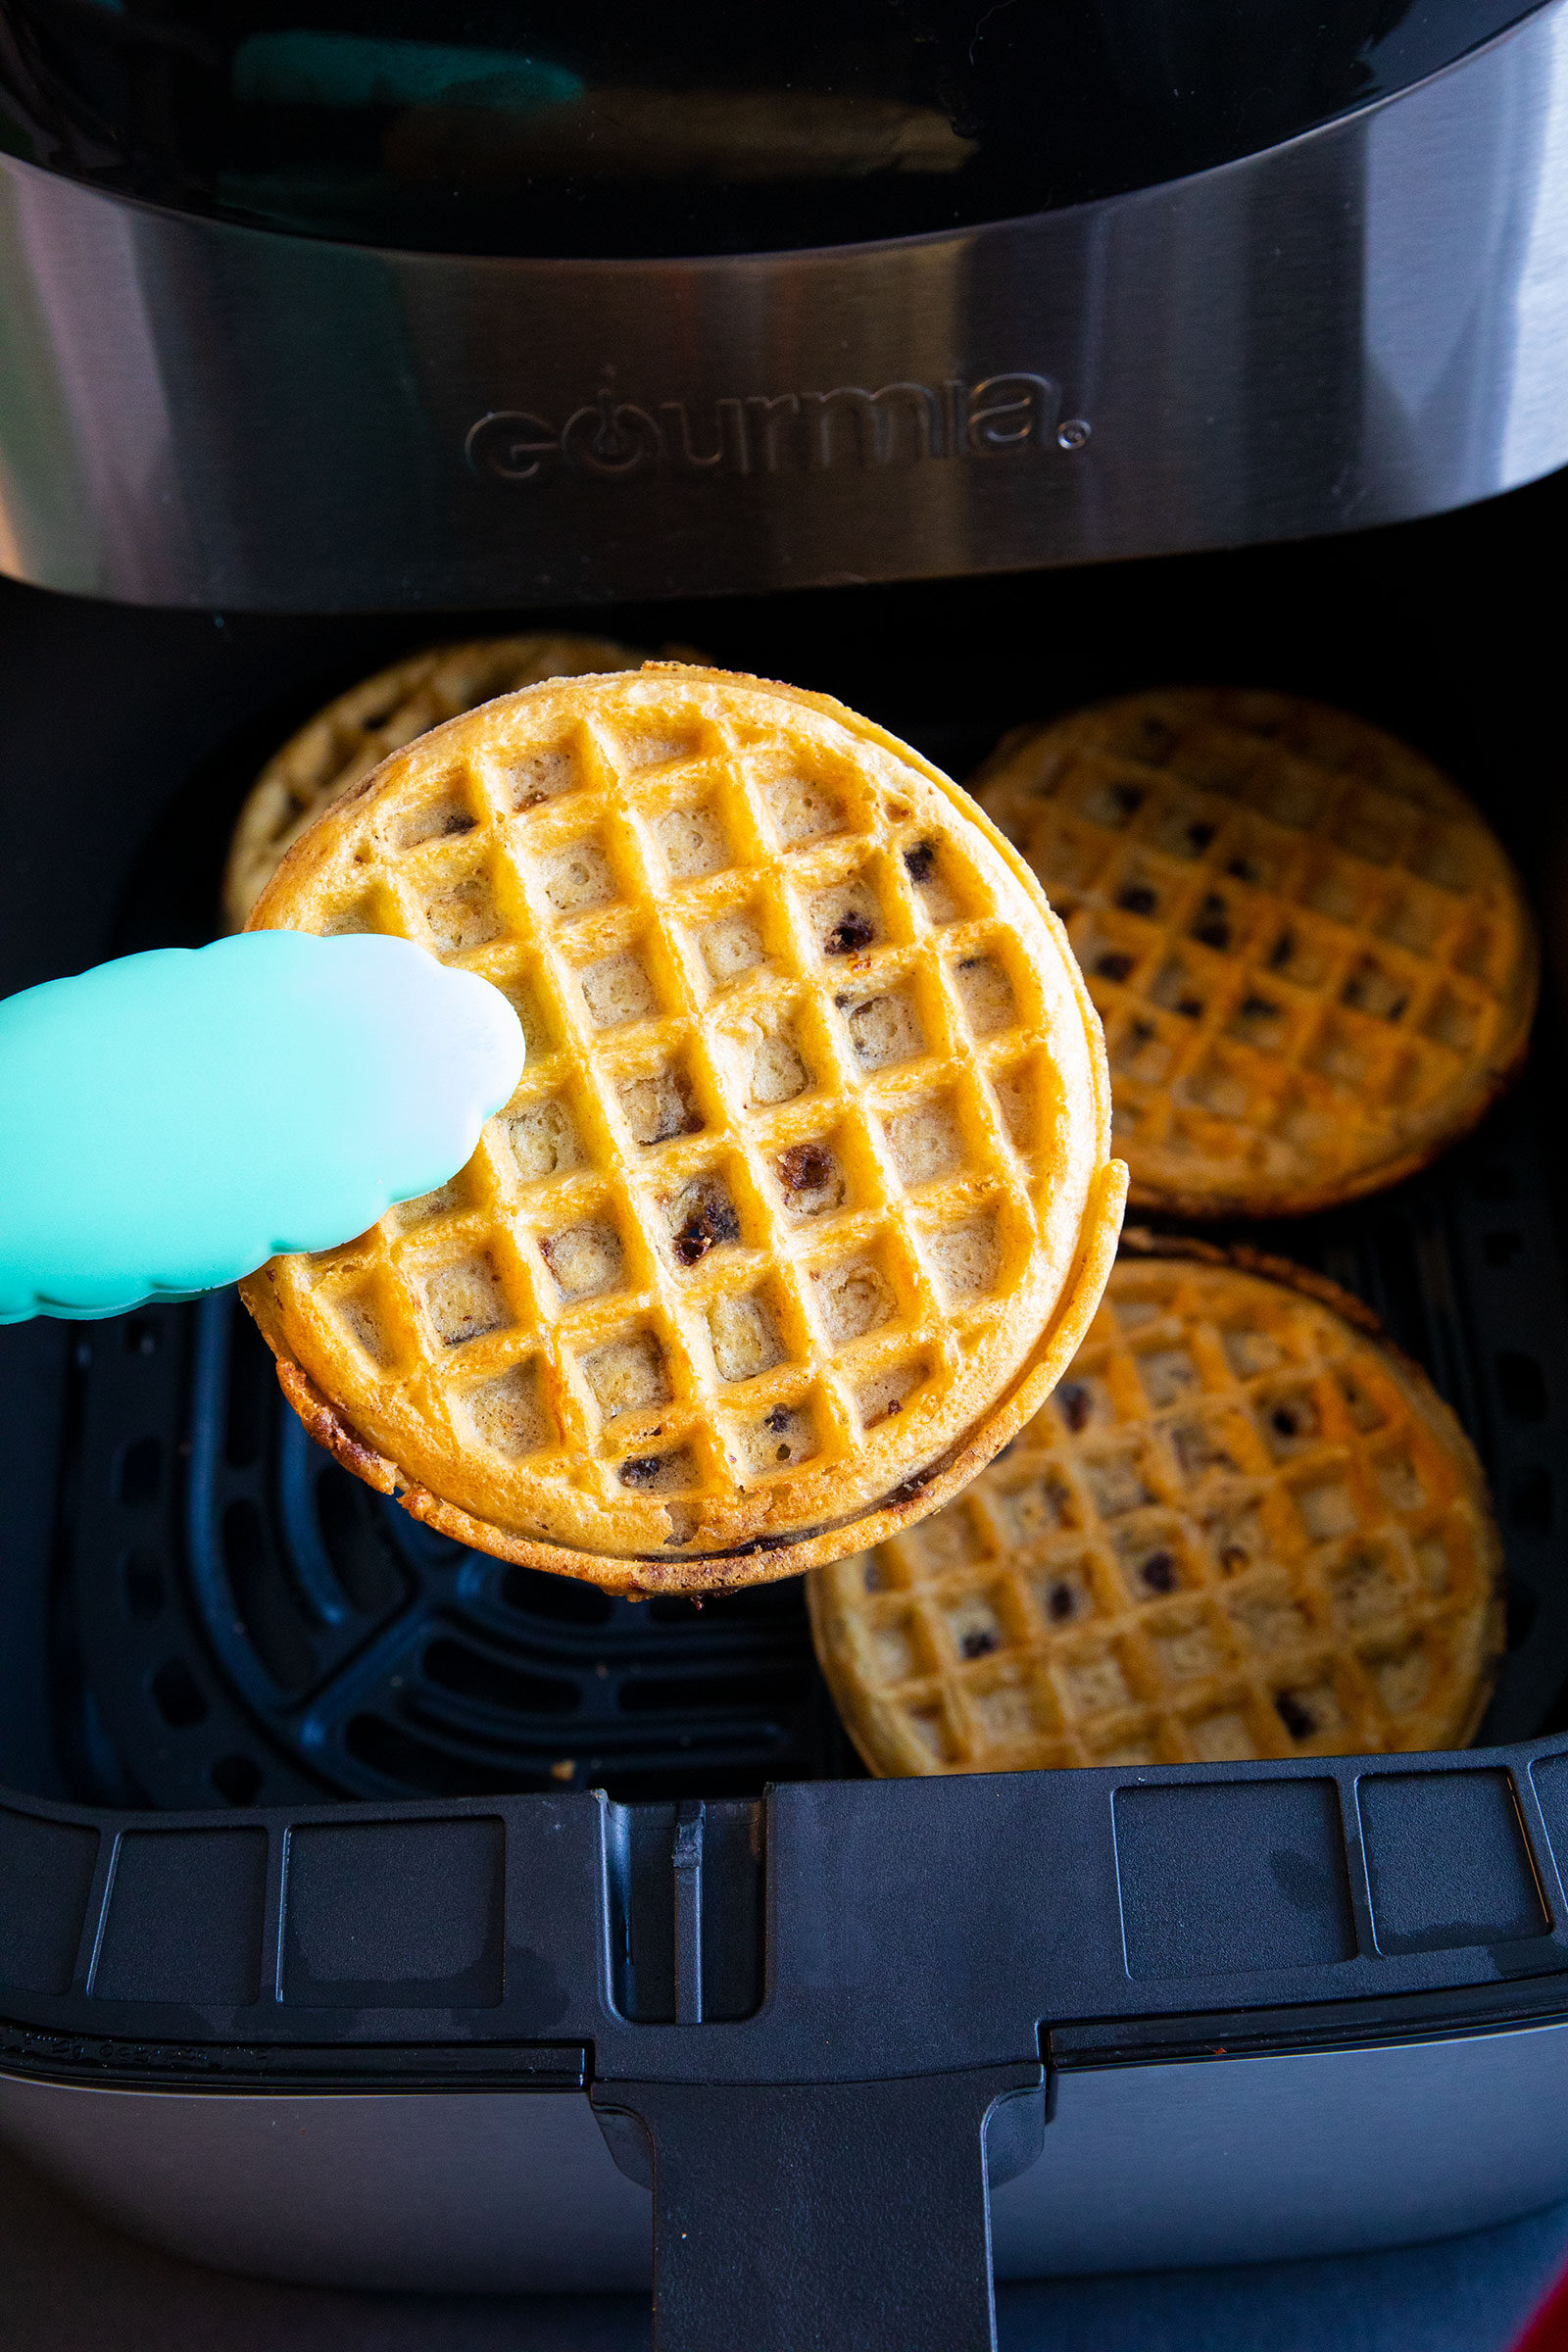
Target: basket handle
(811,2216)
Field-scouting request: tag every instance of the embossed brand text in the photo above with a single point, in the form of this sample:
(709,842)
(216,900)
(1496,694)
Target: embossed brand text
(898,424)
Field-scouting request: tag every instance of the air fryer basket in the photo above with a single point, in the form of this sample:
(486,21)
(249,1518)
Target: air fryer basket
(374,1912)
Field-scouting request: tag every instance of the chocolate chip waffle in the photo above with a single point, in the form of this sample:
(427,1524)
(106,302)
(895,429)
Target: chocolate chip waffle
(355,733)
(1243,1527)
(803,1200)
(1313,960)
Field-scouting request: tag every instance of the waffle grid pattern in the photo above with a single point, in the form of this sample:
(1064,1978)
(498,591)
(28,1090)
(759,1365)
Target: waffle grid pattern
(1240,1528)
(355,732)
(786,1144)
(1308,953)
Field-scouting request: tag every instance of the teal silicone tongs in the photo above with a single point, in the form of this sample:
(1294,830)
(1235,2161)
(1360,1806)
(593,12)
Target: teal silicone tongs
(169,1121)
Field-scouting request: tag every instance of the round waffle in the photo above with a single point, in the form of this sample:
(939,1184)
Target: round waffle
(803,1200)
(355,732)
(1313,960)
(1243,1527)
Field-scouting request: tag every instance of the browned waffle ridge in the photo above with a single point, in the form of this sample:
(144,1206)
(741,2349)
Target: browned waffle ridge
(804,1200)
(357,729)
(1314,962)
(1243,1527)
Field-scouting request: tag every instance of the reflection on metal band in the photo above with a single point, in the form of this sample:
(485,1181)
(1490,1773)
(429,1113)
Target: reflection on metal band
(1367,322)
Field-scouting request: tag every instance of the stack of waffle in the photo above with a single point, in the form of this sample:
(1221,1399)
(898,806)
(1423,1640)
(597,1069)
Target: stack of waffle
(804,1202)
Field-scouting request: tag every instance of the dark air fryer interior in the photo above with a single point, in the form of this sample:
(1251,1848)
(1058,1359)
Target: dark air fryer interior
(617,130)
(198,1608)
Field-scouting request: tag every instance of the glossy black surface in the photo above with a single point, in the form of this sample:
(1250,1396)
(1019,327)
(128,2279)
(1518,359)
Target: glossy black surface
(548,128)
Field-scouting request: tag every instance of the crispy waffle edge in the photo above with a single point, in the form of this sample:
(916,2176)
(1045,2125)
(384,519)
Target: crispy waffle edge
(256,830)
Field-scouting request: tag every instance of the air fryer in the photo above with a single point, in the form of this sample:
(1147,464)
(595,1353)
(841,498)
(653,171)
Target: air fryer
(374,1913)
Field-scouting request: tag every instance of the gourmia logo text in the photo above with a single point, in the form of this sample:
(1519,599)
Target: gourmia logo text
(898,424)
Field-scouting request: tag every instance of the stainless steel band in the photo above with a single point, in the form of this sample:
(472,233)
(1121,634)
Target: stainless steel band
(1368,323)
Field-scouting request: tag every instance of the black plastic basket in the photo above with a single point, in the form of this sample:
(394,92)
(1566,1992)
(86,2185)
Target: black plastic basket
(304,1798)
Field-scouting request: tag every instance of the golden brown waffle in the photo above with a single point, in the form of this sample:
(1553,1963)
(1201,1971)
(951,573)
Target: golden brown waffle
(804,1200)
(1243,1527)
(1313,960)
(355,732)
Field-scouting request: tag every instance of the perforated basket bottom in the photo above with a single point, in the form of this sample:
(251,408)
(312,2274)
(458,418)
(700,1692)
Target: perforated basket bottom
(233,1620)
(244,1619)
(238,1620)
